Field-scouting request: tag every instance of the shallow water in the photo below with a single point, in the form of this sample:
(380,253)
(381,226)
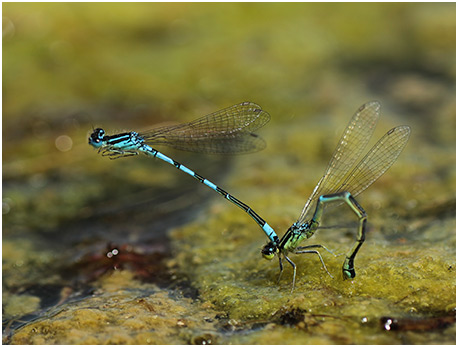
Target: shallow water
(129,251)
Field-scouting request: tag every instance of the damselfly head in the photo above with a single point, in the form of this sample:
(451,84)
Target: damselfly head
(96,137)
(269,250)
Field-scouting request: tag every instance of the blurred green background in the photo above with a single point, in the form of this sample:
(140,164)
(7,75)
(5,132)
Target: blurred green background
(189,262)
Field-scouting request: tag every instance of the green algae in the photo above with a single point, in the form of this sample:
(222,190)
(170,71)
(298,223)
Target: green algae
(122,311)
(69,67)
(393,280)
(20,305)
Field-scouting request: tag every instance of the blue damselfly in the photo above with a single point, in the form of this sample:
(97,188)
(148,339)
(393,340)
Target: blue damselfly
(228,131)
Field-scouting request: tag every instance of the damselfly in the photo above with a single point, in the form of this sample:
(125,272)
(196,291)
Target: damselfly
(341,183)
(227,131)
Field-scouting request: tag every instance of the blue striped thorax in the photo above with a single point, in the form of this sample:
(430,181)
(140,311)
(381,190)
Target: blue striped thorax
(125,141)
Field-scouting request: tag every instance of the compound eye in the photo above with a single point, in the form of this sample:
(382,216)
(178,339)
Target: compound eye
(96,137)
(268,252)
(100,133)
(268,256)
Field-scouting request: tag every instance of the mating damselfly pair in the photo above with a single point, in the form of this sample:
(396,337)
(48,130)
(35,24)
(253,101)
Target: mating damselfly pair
(230,131)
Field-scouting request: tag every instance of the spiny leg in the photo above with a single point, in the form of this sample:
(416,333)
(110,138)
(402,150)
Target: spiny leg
(115,153)
(316,246)
(294,271)
(281,268)
(348,269)
(301,250)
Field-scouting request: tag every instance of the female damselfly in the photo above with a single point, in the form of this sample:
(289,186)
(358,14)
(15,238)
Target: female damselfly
(341,183)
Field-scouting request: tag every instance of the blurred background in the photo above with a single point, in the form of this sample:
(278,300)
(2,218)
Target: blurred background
(68,68)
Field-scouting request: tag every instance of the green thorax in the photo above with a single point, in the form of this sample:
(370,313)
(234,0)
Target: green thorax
(295,234)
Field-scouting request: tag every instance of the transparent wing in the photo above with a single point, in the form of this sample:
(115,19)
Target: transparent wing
(227,131)
(377,160)
(349,148)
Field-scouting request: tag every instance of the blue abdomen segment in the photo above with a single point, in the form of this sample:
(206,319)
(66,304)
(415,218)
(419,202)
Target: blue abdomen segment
(268,230)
